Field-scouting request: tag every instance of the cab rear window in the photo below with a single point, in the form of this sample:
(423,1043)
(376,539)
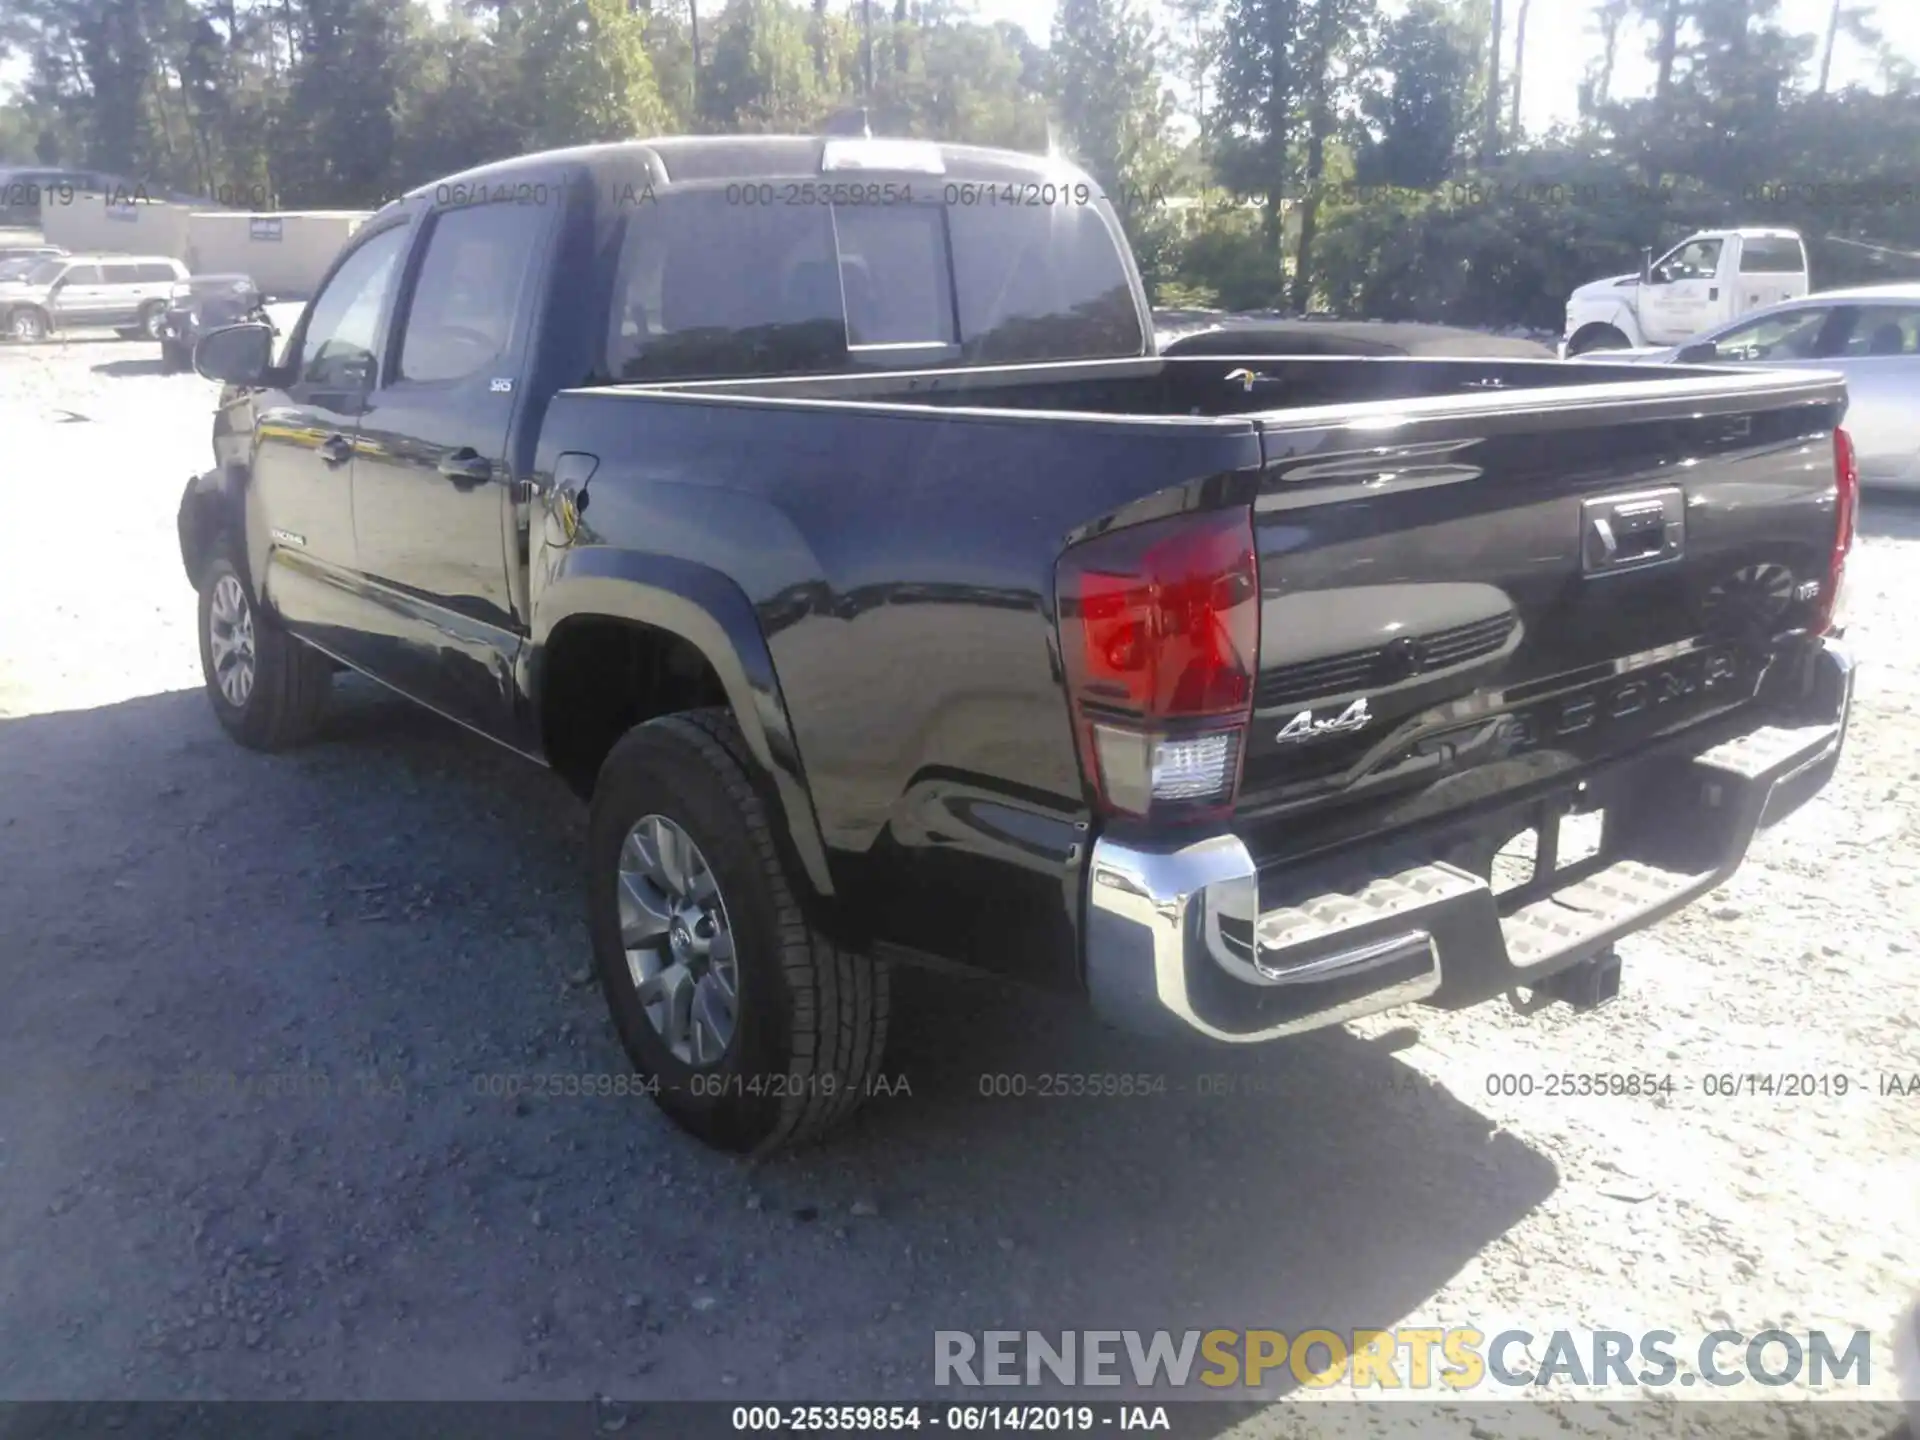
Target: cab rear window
(710,288)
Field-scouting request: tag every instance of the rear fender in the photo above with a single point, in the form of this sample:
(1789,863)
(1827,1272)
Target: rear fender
(707,610)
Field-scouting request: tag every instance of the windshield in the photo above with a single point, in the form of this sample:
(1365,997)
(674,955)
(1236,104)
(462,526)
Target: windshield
(45,272)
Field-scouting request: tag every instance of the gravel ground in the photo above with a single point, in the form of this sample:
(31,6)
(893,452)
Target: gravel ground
(254,1006)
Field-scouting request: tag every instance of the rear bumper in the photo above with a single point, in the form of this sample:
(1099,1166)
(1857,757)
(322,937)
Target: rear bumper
(1190,939)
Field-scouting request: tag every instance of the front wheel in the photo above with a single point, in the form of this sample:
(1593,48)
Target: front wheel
(1598,337)
(27,325)
(752,1030)
(174,357)
(267,689)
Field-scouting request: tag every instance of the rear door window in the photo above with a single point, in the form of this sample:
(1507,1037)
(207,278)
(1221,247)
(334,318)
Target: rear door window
(1771,255)
(1883,330)
(460,316)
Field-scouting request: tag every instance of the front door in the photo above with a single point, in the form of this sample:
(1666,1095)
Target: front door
(433,481)
(300,514)
(77,301)
(1682,295)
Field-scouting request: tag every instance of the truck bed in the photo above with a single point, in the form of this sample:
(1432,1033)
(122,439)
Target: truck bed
(1422,531)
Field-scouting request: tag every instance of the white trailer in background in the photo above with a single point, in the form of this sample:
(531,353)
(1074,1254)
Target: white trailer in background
(285,252)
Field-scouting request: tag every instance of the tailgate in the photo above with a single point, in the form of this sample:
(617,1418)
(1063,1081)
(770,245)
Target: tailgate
(1461,595)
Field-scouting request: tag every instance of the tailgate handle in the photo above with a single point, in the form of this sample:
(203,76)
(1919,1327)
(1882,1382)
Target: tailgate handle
(1628,531)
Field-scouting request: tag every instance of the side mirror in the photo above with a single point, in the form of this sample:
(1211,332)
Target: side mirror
(1701,352)
(235,354)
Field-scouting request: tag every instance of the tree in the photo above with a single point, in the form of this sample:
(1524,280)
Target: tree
(1416,112)
(762,75)
(1257,94)
(1519,65)
(1113,112)
(1490,136)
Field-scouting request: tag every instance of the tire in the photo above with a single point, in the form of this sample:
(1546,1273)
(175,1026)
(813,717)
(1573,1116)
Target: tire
(27,325)
(174,357)
(282,702)
(153,318)
(808,1019)
(1598,337)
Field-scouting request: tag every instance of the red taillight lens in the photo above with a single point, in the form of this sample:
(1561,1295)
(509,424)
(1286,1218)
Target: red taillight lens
(1160,635)
(1830,614)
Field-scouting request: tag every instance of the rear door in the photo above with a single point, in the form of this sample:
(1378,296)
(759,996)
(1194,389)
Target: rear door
(1878,350)
(433,487)
(1470,591)
(120,292)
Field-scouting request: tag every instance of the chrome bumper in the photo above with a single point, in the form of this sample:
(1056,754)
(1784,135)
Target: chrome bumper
(1190,939)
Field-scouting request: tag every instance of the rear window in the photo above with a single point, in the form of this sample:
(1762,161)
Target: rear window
(708,288)
(1771,255)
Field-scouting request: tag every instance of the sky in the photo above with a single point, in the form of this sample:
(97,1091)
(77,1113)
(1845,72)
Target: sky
(1561,42)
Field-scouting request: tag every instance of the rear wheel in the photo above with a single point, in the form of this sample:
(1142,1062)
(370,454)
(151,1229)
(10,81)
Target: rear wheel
(153,321)
(751,1028)
(267,689)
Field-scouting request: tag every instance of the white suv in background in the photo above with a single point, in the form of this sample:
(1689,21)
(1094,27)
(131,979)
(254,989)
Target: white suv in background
(125,293)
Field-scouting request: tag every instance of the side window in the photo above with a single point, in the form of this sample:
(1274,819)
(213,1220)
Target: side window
(1771,255)
(460,317)
(1881,330)
(81,275)
(157,274)
(1695,260)
(121,274)
(1791,335)
(337,348)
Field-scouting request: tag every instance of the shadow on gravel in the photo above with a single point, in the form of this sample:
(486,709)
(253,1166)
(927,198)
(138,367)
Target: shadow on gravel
(120,369)
(303,1096)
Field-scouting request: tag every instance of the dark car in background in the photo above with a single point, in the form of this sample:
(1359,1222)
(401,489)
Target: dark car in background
(202,303)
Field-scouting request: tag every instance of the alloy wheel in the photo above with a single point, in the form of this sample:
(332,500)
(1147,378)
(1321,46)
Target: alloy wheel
(230,640)
(678,941)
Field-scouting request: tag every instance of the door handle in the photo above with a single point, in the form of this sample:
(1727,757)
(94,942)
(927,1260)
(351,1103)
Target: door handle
(466,467)
(336,450)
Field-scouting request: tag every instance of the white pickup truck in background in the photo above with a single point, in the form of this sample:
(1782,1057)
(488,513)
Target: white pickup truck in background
(1710,277)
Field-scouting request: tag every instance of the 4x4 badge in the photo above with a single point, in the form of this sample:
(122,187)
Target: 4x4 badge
(1304,727)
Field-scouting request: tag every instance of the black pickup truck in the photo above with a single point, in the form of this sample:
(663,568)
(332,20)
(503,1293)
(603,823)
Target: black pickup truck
(820,510)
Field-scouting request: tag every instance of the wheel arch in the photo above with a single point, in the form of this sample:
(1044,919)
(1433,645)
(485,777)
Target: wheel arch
(603,592)
(209,510)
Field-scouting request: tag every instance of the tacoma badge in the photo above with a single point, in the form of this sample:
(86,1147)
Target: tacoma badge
(1304,727)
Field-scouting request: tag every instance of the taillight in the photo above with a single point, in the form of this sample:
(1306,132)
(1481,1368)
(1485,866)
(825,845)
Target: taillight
(1160,635)
(1830,614)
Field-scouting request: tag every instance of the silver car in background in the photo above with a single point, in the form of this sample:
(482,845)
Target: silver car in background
(1870,334)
